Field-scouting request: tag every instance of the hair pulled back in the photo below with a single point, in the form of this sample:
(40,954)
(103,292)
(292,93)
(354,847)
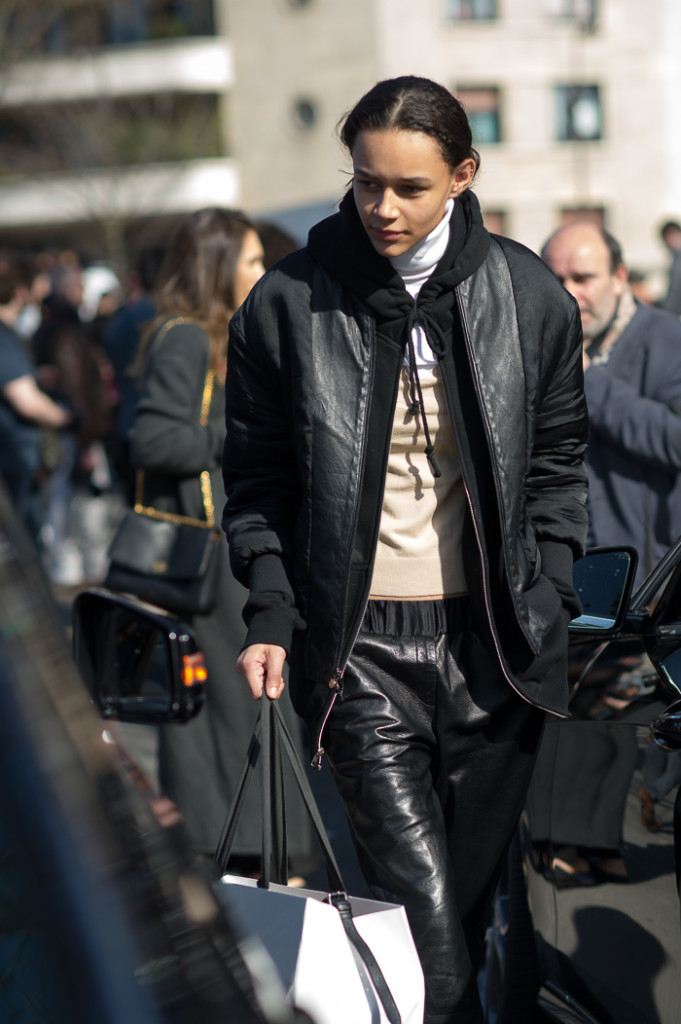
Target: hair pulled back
(413,104)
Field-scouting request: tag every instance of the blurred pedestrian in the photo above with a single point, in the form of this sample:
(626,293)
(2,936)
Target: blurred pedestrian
(632,382)
(121,340)
(30,317)
(24,408)
(404,468)
(76,528)
(670,233)
(102,296)
(212,260)
(640,288)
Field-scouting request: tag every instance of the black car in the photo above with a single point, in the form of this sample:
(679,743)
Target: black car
(587,927)
(105,917)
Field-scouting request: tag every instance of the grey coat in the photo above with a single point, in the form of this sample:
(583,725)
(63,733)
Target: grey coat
(634,453)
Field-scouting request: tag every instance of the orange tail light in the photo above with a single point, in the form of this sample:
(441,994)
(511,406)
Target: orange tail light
(194,669)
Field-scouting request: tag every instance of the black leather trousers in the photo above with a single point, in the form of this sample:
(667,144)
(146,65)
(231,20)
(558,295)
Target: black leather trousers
(432,753)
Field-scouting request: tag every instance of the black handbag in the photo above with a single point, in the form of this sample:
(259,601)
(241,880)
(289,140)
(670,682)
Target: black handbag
(168,559)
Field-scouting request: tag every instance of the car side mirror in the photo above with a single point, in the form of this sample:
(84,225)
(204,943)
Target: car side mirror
(139,664)
(666,729)
(603,578)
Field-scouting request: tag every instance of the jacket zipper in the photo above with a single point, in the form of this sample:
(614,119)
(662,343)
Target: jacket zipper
(485,587)
(334,684)
(336,680)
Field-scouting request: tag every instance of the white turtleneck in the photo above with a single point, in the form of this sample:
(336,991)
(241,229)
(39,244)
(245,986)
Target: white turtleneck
(415,267)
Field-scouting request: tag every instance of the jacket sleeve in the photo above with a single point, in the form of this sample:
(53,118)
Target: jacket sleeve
(646,427)
(557,482)
(261,480)
(167,436)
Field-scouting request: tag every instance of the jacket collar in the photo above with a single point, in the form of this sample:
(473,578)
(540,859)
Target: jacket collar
(341,245)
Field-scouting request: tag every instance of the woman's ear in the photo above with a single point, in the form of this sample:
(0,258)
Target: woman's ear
(462,177)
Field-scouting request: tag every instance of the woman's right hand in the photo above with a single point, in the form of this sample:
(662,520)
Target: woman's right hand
(262,666)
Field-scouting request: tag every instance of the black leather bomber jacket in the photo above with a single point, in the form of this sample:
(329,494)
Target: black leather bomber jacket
(311,387)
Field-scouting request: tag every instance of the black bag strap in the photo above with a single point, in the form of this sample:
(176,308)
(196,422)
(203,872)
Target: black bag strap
(270,736)
(333,874)
(342,904)
(226,841)
(270,722)
(274,853)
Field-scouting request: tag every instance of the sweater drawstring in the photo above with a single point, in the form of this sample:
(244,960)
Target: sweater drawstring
(415,393)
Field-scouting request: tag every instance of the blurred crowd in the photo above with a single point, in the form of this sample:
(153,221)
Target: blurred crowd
(69,386)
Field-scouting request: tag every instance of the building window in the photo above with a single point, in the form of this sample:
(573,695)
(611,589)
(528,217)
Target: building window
(305,113)
(482,107)
(578,113)
(581,11)
(470,10)
(139,130)
(61,29)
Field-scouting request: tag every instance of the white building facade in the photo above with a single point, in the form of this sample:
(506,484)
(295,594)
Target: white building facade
(573,105)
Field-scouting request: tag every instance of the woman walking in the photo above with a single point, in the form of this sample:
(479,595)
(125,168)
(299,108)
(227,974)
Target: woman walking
(211,262)
(404,469)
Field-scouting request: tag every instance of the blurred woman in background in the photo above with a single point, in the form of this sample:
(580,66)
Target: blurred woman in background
(211,262)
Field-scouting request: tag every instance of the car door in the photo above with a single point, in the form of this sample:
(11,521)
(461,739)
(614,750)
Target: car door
(601,865)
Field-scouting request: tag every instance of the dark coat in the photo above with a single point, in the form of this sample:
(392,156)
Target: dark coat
(634,454)
(311,388)
(200,762)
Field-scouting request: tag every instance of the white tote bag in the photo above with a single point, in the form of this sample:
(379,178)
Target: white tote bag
(343,960)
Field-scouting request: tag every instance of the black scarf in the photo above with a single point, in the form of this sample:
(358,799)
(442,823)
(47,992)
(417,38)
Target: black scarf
(341,245)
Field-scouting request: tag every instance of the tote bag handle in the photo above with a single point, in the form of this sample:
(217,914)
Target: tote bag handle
(271,734)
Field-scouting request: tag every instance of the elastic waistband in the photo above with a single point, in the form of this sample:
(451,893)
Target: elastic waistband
(416,618)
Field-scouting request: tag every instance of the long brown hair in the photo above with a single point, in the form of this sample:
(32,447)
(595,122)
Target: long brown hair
(197,274)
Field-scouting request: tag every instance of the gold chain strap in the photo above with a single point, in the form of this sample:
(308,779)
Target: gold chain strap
(206,489)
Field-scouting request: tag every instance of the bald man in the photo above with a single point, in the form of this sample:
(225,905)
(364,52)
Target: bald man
(632,382)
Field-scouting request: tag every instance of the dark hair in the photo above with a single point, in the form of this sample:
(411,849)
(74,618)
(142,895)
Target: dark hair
(669,228)
(413,104)
(147,265)
(276,242)
(612,245)
(614,248)
(15,272)
(197,274)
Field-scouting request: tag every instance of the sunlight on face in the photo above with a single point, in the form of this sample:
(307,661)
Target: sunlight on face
(580,259)
(401,184)
(249,267)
